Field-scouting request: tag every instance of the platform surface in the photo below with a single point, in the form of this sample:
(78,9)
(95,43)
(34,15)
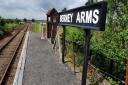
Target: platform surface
(42,67)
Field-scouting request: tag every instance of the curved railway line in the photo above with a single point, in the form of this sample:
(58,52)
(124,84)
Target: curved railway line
(9,49)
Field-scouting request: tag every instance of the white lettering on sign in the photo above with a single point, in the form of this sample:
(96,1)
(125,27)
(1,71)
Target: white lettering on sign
(66,18)
(88,17)
(78,18)
(82,17)
(95,15)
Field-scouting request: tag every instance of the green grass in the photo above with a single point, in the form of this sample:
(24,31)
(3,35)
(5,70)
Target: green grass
(10,26)
(36,27)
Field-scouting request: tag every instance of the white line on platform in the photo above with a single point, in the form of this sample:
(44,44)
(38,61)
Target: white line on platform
(19,72)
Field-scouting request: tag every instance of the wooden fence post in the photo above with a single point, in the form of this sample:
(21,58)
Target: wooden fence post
(63,48)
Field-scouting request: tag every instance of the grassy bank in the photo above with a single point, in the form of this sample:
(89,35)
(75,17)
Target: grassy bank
(10,26)
(36,27)
(7,28)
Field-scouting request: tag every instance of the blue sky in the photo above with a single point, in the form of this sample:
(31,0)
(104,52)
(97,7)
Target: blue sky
(34,8)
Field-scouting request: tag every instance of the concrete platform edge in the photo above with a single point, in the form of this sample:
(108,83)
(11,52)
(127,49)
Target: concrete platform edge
(19,72)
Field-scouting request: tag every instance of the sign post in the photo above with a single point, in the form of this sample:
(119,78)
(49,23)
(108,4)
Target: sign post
(86,56)
(63,48)
(90,17)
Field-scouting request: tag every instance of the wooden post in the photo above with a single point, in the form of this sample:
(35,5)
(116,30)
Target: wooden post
(86,56)
(126,78)
(74,65)
(74,55)
(63,48)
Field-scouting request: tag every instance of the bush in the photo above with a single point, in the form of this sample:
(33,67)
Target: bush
(74,35)
(1,33)
(79,59)
(112,82)
(10,26)
(2,22)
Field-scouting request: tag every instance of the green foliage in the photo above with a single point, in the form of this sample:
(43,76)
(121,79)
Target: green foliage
(112,82)
(107,46)
(74,41)
(10,26)
(33,20)
(79,59)
(25,20)
(17,20)
(7,25)
(36,27)
(74,35)
(113,42)
(1,30)
(1,33)
(2,22)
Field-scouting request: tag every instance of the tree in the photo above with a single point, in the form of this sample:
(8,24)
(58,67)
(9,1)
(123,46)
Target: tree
(17,20)
(113,42)
(25,20)
(33,20)
(2,22)
(64,9)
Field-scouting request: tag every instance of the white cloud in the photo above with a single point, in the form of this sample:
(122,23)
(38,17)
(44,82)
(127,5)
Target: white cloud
(34,8)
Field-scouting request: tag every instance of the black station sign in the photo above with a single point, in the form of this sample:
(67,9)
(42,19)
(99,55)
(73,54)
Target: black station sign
(87,17)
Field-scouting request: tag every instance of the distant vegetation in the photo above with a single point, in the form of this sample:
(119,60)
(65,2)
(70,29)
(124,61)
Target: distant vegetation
(36,27)
(7,25)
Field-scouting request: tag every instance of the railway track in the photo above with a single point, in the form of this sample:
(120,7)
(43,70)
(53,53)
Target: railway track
(8,51)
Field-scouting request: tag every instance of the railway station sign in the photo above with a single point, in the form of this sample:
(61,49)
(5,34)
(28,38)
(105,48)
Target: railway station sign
(87,17)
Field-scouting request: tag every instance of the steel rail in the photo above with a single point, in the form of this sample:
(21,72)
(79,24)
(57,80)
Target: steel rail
(14,52)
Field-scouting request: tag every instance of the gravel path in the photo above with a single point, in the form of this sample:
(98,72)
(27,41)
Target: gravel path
(42,67)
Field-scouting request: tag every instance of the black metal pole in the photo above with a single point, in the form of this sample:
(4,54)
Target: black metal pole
(86,56)
(63,48)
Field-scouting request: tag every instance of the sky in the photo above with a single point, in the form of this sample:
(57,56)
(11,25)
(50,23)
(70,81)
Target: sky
(36,9)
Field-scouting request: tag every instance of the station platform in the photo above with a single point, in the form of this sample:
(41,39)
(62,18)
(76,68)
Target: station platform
(42,66)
